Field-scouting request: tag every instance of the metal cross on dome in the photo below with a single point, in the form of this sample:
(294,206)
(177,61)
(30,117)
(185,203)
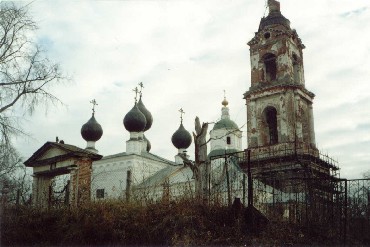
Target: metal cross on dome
(181,112)
(136,92)
(141,88)
(94,103)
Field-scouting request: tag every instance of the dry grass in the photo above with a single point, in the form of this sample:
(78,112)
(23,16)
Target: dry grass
(182,223)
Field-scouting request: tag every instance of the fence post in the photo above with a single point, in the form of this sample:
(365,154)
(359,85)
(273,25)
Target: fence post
(345,210)
(228,183)
(128,186)
(18,198)
(50,196)
(250,183)
(243,188)
(67,195)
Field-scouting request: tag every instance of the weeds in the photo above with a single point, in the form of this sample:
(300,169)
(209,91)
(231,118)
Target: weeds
(114,223)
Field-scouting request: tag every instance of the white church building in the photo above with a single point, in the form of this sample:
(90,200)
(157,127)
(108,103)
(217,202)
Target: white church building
(140,173)
(134,174)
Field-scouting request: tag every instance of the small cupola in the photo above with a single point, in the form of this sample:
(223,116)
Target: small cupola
(225,122)
(181,139)
(225,135)
(135,123)
(92,130)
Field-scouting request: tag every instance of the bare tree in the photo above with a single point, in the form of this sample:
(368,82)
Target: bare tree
(200,166)
(26,74)
(14,177)
(9,161)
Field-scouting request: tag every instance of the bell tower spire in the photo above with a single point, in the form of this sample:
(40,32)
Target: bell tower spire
(279,107)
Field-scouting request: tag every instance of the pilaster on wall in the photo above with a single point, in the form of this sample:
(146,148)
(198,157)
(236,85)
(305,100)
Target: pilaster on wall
(40,191)
(81,182)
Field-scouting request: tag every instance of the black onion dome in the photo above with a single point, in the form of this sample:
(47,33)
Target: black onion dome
(147,114)
(92,130)
(148,145)
(134,120)
(181,138)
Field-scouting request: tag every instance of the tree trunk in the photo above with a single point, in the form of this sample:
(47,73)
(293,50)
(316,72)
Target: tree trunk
(201,160)
(200,167)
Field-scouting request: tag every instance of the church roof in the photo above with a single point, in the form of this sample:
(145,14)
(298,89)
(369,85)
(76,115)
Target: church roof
(219,152)
(183,174)
(176,174)
(274,17)
(146,155)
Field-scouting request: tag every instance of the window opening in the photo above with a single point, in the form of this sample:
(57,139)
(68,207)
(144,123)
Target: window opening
(270,67)
(271,120)
(228,140)
(100,193)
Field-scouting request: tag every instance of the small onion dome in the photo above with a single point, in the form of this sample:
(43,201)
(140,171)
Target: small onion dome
(225,102)
(147,114)
(134,120)
(181,138)
(92,130)
(148,145)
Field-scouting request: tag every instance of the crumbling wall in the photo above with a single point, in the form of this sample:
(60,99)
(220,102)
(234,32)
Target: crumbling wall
(287,48)
(294,116)
(81,182)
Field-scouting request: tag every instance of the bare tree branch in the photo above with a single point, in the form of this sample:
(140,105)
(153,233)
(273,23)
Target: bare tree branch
(26,76)
(25,72)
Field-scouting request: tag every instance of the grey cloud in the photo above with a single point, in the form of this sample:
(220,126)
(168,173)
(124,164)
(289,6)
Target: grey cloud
(353,12)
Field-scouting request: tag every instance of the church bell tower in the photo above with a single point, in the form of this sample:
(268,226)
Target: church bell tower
(279,107)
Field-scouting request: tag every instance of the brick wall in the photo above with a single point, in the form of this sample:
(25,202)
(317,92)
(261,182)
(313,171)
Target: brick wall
(81,182)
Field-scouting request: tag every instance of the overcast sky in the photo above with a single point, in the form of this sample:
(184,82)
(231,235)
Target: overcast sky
(186,53)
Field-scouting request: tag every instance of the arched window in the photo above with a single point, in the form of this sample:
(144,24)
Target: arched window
(271,121)
(269,61)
